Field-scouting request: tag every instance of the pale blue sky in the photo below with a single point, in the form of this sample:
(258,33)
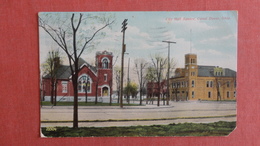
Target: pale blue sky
(204,33)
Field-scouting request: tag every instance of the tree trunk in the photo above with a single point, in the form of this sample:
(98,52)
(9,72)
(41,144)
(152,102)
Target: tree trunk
(141,96)
(52,91)
(55,93)
(118,95)
(96,93)
(86,93)
(110,97)
(158,102)
(75,111)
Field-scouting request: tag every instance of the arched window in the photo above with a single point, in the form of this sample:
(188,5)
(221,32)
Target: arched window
(84,84)
(105,63)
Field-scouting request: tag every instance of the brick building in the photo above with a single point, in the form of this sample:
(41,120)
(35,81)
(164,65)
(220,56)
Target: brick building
(196,82)
(153,90)
(96,79)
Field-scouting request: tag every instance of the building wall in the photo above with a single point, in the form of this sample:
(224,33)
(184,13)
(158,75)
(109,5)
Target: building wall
(105,73)
(201,90)
(190,86)
(100,80)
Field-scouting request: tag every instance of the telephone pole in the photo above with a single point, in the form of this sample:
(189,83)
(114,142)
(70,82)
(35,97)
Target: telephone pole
(168,72)
(122,62)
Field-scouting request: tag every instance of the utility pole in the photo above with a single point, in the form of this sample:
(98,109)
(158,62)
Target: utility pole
(168,72)
(128,81)
(122,61)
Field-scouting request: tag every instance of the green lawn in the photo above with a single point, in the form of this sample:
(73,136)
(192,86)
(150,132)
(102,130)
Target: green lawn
(47,103)
(183,129)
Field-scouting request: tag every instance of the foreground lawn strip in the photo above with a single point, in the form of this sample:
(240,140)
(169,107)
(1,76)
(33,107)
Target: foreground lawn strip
(125,120)
(220,128)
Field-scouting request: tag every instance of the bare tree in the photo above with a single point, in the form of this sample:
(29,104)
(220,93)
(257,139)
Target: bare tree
(96,96)
(117,72)
(86,88)
(220,83)
(150,77)
(50,68)
(140,65)
(159,64)
(67,32)
(110,82)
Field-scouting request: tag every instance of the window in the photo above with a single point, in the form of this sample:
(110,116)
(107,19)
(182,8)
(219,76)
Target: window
(105,77)
(228,94)
(192,83)
(192,94)
(105,63)
(228,84)
(209,94)
(234,93)
(235,83)
(192,73)
(64,86)
(177,84)
(193,61)
(84,84)
(209,84)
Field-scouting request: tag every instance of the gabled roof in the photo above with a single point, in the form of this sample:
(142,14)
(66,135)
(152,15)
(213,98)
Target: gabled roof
(64,71)
(83,62)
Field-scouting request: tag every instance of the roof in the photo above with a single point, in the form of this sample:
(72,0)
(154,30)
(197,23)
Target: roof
(83,62)
(208,71)
(64,71)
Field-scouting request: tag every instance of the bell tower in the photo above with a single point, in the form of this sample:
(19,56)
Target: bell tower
(104,65)
(191,73)
(191,66)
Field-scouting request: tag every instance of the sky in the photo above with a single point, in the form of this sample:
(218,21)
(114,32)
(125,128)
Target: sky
(212,35)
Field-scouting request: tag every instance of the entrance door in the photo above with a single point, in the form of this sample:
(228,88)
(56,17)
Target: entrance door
(105,91)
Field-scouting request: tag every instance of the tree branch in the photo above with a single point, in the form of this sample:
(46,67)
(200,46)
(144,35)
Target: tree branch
(92,37)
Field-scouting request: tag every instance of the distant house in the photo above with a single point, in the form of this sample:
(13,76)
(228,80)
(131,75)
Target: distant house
(90,78)
(196,82)
(154,91)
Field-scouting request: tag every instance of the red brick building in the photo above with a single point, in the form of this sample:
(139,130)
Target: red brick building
(153,90)
(96,78)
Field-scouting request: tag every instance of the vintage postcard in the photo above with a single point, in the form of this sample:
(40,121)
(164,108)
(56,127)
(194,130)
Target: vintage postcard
(117,74)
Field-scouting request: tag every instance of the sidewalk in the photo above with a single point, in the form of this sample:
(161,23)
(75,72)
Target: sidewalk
(176,112)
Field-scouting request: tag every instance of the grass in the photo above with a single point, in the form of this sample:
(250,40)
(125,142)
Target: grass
(47,103)
(220,128)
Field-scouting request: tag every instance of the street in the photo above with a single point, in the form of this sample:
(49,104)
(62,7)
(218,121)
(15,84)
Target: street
(176,112)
